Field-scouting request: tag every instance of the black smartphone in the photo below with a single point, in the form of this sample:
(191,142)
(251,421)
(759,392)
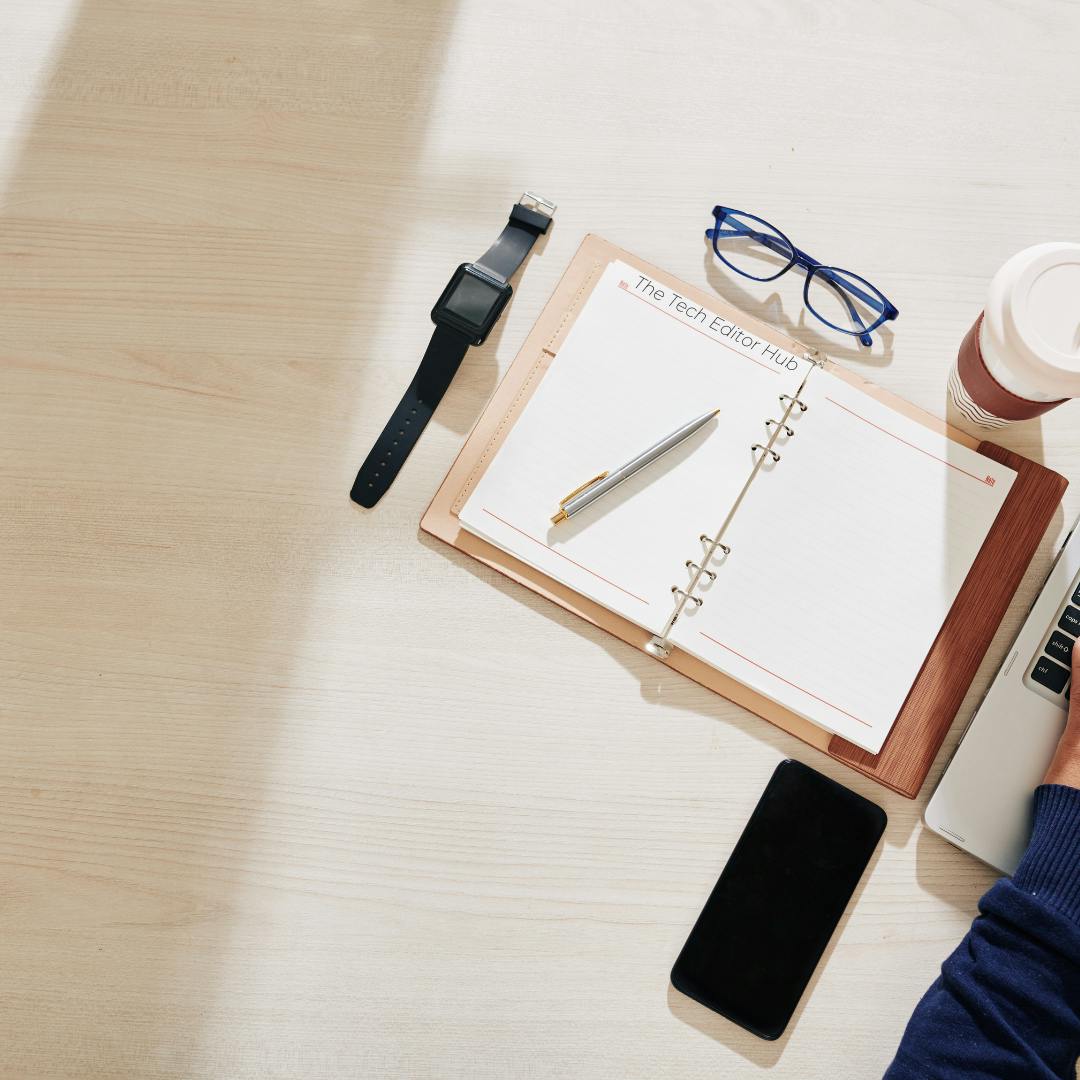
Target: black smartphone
(779,898)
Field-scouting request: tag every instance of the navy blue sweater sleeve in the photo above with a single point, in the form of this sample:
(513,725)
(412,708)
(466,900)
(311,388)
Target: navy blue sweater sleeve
(1007,1004)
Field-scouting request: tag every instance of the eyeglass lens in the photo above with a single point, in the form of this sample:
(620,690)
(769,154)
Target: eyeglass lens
(752,246)
(843,300)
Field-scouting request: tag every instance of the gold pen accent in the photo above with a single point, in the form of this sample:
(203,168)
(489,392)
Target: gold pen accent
(561,515)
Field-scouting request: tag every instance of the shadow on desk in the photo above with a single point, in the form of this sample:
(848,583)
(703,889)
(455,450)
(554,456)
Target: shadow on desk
(660,684)
(952,875)
(805,328)
(195,224)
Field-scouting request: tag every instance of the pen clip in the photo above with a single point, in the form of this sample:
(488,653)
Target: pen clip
(578,490)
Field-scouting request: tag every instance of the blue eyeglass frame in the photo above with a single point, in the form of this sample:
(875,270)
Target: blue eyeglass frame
(875,298)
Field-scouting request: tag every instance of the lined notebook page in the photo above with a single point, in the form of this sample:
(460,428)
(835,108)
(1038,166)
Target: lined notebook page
(846,555)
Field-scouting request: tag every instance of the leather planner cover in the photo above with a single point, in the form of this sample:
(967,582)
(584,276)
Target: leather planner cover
(938,691)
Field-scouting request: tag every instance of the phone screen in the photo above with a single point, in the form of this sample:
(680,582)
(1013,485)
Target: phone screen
(770,916)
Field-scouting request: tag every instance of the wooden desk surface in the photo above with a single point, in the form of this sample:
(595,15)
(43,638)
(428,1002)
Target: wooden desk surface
(288,790)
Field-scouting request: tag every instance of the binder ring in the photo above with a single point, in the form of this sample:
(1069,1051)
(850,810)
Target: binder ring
(658,645)
(787,431)
(683,593)
(691,565)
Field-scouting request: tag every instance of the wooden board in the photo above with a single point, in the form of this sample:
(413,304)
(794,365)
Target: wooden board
(288,791)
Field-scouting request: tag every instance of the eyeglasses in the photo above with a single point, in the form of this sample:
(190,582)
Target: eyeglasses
(840,299)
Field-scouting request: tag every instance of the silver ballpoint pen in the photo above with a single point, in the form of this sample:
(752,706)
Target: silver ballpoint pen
(600,485)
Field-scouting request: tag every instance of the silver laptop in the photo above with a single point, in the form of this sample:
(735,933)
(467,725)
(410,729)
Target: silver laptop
(983,803)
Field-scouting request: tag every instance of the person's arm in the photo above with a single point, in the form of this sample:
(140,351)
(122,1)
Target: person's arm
(1007,1004)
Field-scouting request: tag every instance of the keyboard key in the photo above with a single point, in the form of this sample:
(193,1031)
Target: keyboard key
(1060,647)
(1052,676)
(1070,621)
(1076,596)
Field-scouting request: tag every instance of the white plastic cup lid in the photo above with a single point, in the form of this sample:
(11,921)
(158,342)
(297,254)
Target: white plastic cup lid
(1033,317)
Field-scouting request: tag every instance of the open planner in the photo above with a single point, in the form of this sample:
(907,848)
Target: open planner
(808,544)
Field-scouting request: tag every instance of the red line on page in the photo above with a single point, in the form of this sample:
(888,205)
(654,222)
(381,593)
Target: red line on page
(690,326)
(988,480)
(601,577)
(795,686)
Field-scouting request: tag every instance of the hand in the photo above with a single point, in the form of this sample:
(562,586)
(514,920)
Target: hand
(1065,768)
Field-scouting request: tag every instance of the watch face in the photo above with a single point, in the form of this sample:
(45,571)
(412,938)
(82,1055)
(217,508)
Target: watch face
(471,303)
(473,300)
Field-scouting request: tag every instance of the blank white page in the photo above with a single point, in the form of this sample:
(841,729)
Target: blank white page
(846,555)
(844,567)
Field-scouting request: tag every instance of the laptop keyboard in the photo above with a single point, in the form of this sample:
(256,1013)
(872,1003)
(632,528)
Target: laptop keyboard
(1049,672)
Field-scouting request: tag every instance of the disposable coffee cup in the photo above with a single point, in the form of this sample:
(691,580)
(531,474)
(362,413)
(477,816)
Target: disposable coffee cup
(1021,357)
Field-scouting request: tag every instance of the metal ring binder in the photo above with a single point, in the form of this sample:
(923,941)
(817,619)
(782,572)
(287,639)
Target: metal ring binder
(691,565)
(783,427)
(708,540)
(658,645)
(686,596)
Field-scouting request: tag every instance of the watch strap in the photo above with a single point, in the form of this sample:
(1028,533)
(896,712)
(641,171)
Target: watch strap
(530,218)
(441,361)
(514,243)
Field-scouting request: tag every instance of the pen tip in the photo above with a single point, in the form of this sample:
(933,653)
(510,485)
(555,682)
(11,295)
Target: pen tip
(716,412)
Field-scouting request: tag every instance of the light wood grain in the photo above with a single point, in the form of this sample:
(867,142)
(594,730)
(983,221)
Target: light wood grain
(288,791)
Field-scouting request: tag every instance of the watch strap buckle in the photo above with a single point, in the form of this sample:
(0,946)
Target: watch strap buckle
(537,203)
(534,212)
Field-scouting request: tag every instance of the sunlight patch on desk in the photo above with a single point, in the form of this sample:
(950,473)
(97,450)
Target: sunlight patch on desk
(33,32)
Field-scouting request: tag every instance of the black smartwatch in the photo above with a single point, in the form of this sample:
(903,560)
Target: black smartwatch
(464,315)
